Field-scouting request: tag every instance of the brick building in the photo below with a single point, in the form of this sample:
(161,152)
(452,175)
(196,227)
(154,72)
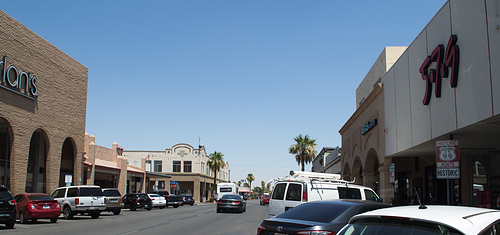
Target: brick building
(43,98)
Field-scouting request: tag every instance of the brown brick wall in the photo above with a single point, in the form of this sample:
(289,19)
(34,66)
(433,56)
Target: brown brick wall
(59,111)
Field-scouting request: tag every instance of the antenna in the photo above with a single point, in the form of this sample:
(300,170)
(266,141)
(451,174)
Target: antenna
(422,206)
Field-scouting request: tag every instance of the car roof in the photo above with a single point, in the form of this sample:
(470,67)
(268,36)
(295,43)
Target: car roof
(462,218)
(350,202)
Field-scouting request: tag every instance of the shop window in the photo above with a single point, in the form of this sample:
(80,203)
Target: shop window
(35,175)
(157,166)
(4,154)
(176,166)
(187,166)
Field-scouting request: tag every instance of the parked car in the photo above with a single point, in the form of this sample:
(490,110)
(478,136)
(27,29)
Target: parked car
(137,200)
(264,199)
(82,199)
(231,202)
(7,208)
(425,220)
(187,199)
(113,200)
(301,187)
(172,199)
(34,206)
(158,201)
(318,217)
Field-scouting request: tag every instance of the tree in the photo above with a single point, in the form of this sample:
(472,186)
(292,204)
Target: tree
(215,162)
(263,186)
(304,150)
(250,178)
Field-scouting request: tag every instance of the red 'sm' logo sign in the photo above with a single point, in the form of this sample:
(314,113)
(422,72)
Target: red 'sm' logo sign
(444,60)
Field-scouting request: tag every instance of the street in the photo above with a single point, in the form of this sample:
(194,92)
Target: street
(197,219)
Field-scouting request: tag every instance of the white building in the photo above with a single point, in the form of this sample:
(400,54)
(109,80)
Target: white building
(186,165)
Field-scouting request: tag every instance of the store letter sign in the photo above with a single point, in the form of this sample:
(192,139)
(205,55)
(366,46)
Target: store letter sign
(444,60)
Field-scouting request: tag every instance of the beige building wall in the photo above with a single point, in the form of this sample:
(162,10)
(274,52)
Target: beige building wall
(58,112)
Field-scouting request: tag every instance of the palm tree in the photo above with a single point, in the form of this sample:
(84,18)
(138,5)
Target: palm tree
(215,162)
(304,150)
(263,186)
(250,178)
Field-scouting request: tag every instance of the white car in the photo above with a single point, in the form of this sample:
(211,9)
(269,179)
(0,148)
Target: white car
(158,201)
(424,220)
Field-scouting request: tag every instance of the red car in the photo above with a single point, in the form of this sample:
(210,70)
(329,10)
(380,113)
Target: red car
(34,206)
(264,199)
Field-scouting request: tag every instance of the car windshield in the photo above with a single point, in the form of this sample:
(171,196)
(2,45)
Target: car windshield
(230,196)
(112,193)
(4,193)
(154,195)
(396,226)
(40,197)
(91,191)
(316,212)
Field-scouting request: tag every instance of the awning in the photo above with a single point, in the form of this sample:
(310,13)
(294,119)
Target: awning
(157,175)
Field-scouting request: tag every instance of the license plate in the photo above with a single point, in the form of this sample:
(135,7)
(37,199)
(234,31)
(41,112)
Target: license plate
(279,233)
(91,208)
(46,207)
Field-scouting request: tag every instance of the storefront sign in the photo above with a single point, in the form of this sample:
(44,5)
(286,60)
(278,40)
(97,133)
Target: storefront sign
(442,60)
(447,159)
(368,126)
(19,82)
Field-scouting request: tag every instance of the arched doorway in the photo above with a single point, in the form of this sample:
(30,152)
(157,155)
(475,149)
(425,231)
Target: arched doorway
(5,148)
(346,172)
(67,162)
(35,175)
(371,174)
(357,171)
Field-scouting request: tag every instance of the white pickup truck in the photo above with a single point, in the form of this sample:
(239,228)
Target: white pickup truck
(83,199)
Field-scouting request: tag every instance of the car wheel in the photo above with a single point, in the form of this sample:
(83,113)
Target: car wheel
(175,206)
(95,215)
(117,212)
(10,224)
(219,210)
(53,220)
(67,213)
(162,207)
(149,208)
(22,219)
(133,207)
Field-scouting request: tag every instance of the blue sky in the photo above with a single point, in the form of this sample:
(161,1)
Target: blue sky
(246,76)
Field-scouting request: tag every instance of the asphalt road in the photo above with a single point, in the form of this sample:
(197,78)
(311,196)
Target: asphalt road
(197,219)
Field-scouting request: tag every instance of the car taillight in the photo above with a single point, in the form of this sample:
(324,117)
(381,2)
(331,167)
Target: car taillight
(77,201)
(12,202)
(220,201)
(236,203)
(152,199)
(304,196)
(316,232)
(137,200)
(105,200)
(261,229)
(58,205)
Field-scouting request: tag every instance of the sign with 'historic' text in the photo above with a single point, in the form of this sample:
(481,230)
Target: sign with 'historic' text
(447,159)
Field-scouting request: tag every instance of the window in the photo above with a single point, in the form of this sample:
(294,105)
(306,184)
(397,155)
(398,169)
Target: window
(371,196)
(349,193)
(59,193)
(279,191)
(177,166)
(294,192)
(187,166)
(72,192)
(157,167)
(225,190)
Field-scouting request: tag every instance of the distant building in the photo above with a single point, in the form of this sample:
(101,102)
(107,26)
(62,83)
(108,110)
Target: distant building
(324,158)
(185,164)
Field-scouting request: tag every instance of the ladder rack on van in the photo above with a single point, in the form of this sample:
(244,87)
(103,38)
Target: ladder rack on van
(321,177)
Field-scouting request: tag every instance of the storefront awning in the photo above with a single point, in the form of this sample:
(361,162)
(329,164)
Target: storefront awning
(157,175)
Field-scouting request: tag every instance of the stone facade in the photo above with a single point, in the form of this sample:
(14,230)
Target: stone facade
(41,134)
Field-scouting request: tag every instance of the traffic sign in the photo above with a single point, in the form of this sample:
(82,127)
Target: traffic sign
(448,173)
(447,155)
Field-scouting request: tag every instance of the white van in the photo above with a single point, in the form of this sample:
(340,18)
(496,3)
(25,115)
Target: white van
(301,187)
(226,188)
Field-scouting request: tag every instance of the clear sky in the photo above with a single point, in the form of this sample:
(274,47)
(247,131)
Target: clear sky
(246,76)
